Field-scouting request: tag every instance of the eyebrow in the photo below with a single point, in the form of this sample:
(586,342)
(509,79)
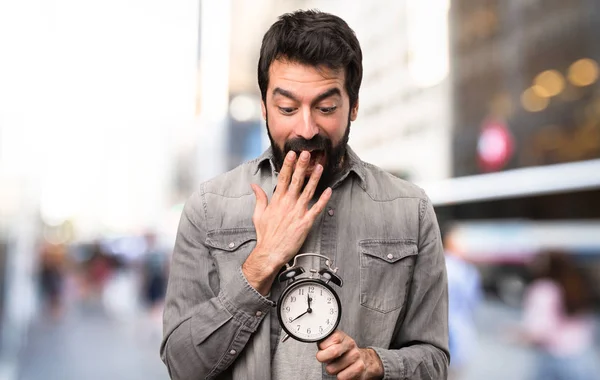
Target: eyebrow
(331,92)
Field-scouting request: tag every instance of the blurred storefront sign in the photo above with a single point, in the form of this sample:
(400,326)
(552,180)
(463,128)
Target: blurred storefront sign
(495,145)
(536,68)
(526,108)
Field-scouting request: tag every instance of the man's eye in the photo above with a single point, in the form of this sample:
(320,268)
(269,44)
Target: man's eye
(328,110)
(287,110)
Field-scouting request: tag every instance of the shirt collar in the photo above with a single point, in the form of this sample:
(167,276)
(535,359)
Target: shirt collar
(355,165)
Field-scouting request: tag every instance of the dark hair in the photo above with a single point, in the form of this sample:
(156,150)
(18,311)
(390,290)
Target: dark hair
(312,38)
(559,266)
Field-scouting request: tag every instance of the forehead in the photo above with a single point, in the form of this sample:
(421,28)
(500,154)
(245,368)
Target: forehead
(304,80)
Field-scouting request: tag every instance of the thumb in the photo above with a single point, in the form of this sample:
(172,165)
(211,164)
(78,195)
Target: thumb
(261,201)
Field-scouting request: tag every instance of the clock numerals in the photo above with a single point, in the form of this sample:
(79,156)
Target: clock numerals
(309,311)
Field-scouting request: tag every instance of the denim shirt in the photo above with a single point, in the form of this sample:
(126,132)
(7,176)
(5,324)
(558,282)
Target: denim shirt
(380,231)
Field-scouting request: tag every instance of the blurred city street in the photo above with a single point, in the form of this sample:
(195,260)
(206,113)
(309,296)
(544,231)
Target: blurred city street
(88,343)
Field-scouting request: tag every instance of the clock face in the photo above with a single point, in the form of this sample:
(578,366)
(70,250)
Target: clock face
(309,310)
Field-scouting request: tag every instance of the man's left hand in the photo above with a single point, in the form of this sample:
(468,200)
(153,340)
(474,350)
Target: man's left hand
(346,360)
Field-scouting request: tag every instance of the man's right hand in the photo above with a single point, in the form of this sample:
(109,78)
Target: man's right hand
(283,224)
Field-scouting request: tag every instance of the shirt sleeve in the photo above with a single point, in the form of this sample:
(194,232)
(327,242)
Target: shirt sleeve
(420,347)
(206,323)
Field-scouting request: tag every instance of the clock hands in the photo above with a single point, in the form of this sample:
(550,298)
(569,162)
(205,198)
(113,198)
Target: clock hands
(300,316)
(308,311)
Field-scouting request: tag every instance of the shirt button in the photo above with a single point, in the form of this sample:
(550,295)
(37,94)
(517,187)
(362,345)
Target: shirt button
(330,212)
(258,313)
(231,245)
(233,352)
(390,256)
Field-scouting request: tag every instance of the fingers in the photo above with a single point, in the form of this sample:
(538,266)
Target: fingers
(352,371)
(299,173)
(318,207)
(348,363)
(333,347)
(342,355)
(261,201)
(309,189)
(285,173)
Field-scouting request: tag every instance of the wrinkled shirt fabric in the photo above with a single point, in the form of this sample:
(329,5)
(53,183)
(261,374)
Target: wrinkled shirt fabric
(380,231)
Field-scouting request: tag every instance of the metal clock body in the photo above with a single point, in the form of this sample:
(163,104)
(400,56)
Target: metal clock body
(309,309)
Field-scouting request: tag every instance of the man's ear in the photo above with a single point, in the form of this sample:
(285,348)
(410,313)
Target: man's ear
(263,109)
(354,111)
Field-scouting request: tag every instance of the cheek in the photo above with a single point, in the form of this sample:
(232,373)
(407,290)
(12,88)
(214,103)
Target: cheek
(280,128)
(334,127)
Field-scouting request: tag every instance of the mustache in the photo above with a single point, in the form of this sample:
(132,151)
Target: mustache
(299,144)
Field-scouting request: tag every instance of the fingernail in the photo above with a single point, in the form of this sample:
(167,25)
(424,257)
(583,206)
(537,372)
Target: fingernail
(290,155)
(319,168)
(304,155)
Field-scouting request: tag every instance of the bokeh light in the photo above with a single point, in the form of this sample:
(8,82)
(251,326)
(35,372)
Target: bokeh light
(532,102)
(549,83)
(583,72)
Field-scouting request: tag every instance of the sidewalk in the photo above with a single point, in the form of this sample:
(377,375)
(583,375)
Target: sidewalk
(89,344)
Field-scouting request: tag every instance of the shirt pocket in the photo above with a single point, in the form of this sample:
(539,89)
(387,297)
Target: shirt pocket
(230,248)
(386,268)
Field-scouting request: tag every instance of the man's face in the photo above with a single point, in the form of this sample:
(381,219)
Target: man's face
(308,109)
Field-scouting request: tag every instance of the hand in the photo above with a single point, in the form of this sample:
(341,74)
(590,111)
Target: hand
(283,224)
(309,300)
(346,360)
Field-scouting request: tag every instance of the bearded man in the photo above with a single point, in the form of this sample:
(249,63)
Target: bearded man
(308,193)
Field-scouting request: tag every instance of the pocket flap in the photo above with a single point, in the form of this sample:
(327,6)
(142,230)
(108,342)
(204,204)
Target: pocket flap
(390,250)
(230,239)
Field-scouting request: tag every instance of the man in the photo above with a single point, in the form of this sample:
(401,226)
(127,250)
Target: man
(239,229)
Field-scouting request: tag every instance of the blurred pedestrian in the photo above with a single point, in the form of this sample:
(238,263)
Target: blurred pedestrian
(154,276)
(558,320)
(51,278)
(98,270)
(464,295)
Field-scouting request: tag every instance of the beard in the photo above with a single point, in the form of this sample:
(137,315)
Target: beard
(334,155)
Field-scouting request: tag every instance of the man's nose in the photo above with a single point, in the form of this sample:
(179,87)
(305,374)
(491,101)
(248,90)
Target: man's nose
(307,128)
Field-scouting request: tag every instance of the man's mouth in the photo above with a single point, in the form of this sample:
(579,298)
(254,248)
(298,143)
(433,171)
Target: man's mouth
(315,158)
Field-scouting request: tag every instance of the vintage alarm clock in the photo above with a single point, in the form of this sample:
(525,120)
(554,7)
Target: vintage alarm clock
(309,309)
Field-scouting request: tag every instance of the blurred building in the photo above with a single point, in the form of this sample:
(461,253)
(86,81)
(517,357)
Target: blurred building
(525,94)
(526,125)
(404,117)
